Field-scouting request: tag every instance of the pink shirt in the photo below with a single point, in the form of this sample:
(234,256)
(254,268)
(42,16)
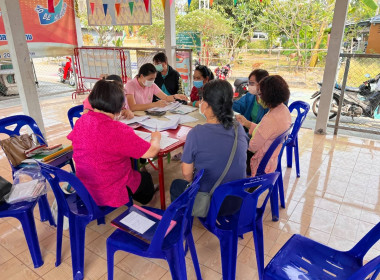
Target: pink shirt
(103,149)
(275,122)
(142,95)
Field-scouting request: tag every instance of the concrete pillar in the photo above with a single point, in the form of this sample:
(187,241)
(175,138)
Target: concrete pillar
(332,59)
(170,41)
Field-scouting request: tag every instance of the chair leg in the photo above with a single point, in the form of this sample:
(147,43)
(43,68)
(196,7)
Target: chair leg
(59,238)
(259,246)
(71,162)
(110,260)
(228,251)
(280,186)
(289,155)
(194,257)
(29,226)
(296,158)
(176,260)
(274,203)
(45,212)
(77,237)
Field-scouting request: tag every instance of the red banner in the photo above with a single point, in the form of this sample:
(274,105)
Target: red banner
(47,34)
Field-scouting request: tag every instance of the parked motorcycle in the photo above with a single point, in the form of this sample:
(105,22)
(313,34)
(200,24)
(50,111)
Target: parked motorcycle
(241,87)
(66,72)
(356,101)
(223,73)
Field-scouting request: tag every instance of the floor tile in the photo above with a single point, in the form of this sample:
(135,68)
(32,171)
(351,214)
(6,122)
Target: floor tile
(14,269)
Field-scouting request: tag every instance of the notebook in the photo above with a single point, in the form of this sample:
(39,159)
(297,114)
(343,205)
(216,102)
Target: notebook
(140,222)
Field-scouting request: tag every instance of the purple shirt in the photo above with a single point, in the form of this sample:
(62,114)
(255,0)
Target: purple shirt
(209,146)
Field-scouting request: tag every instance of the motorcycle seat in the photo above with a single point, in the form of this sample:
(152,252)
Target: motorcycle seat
(240,81)
(352,89)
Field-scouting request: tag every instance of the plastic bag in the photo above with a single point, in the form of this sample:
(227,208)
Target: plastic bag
(28,185)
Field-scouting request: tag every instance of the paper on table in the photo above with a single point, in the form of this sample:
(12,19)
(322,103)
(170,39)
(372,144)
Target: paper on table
(135,119)
(183,109)
(137,222)
(164,143)
(168,107)
(158,125)
(183,118)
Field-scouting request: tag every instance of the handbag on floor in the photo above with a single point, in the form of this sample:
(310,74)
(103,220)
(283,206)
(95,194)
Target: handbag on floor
(203,199)
(5,188)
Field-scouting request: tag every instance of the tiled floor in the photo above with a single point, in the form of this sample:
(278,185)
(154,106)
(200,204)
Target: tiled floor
(335,201)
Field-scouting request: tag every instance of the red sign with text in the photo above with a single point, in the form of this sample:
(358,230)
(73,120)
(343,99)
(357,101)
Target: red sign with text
(47,33)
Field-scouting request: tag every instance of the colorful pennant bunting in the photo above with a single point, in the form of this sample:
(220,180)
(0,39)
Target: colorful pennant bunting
(146,2)
(235,2)
(92,6)
(117,8)
(211,1)
(171,1)
(51,6)
(189,2)
(105,8)
(131,7)
(163,3)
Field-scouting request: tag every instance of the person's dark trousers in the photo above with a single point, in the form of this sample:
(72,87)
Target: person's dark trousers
(374,100)
(145,191)
(177,187)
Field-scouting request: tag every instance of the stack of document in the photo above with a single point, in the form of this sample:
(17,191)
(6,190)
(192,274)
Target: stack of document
(159,125)
(169,107)
(183,109)
(136,119)
(164,143)
(182,119)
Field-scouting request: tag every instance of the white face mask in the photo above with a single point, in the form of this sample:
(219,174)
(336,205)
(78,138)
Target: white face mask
(252,90)
(148,83)
(200,110)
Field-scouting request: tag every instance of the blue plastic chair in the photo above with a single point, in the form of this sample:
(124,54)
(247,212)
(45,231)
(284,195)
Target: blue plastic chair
(248,219)
(280,140)
(23,211)
(79,208)
(303,258)
(74,112)
(302,109)
(11,126)
(170,247)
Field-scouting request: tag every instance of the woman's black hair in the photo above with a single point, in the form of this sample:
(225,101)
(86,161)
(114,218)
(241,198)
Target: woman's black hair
(160,57)
(147,69)
(107,96)
(274,90)
(259,74)
(205,72)
(218,94)
(114,77)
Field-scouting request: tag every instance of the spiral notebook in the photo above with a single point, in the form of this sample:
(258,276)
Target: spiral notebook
(140,222)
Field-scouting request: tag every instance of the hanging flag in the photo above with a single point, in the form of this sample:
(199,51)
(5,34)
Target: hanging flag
(51,6)
(189,2)
(131,7)
(171,1)
(163,3)
(146,2)
(235,2)
(92,6)
(117,8)
(211,1)
(105,7)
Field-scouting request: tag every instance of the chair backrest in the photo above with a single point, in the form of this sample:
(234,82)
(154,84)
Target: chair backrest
(74,112)
(179,210)
(302,109)
(19,121)
(249,190)
(55,176)
(279,140)
(366,270)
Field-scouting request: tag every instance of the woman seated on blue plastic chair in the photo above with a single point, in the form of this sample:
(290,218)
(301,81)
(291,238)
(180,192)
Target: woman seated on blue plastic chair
(273,92)
(103,148)
(208,146)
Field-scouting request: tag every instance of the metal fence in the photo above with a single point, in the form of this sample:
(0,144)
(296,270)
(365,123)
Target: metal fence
(355,104)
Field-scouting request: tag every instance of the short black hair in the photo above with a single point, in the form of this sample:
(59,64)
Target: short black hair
(107,96)
(218,94)
(147,69)
(160,57)
(259,74)
(274,90)
(114,77)
(205,72)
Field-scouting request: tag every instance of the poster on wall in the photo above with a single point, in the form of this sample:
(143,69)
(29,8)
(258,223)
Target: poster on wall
(119,12)
(183,68)
(47,34)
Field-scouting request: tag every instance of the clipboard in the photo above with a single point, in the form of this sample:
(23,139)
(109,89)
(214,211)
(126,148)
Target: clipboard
(143,213)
